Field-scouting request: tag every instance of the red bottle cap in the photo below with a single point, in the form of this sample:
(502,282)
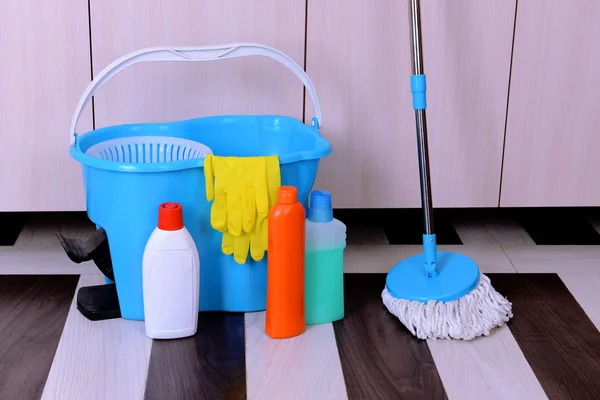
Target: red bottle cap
(287,195)
(170,217)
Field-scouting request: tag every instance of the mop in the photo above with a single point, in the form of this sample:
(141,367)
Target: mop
(438,295)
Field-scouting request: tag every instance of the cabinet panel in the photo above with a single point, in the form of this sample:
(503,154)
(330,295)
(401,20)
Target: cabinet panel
(552,137)
(172,91)
(44,68)
(358,55)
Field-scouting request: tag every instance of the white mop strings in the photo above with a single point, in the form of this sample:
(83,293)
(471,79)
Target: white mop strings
(468,317)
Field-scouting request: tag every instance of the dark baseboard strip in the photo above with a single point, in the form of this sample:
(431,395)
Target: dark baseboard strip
(406,227)
(380,358)
(11,224)
(209,365)
(558,227)
(33,311)
(556,336)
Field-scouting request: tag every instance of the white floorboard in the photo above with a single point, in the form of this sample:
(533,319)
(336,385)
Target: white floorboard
(100,360)
(41,261)
(380,259)
(481,368)
(493,231)
(586,290)
(488,368)
(37,250)
(357,259)
(305,367)
(555,259)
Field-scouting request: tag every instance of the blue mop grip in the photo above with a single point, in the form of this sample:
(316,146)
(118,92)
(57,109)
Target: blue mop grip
(430,253)
(418,87)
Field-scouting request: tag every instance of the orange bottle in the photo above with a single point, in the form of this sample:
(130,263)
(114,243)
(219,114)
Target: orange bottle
(285,266)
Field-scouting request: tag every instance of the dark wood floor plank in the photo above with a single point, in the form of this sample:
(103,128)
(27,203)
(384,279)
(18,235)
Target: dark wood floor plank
(210,365)
(33,311)
(556,336)
(380,358)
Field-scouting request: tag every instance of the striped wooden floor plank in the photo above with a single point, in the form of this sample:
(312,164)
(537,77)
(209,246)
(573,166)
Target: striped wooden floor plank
(555,259)
(586,290)
(209,365)
(479,369)
(304,367)
(380,358)
(376,357)
(489,231)
(380,259)
(99,359)
(33,310)
(560,342)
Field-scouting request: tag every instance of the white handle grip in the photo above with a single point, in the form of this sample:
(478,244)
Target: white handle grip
(203,53)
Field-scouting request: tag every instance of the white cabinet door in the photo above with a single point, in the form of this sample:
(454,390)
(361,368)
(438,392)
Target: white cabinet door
(44,68)
(173,91)
(358,55)
(553,126)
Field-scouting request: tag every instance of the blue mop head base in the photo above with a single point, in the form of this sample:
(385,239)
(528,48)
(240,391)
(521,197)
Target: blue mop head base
(446,297)
(458,275)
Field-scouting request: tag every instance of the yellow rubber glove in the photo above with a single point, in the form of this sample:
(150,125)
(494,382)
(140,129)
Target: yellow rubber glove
(238,186)
(236,245)
(260,240)
(254,232)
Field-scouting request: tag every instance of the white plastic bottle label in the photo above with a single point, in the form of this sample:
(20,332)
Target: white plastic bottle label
(170,295)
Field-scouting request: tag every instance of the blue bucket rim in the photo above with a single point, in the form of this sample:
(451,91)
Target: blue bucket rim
(322,147)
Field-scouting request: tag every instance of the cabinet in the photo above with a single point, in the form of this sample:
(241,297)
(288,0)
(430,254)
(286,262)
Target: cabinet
(44,68)
(358,55)
(553,123)
(509,126)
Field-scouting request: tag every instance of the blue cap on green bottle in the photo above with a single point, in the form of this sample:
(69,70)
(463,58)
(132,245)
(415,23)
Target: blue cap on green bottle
(320,209)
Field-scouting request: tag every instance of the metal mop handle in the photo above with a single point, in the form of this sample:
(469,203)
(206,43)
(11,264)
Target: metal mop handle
(421,120)
(418,87)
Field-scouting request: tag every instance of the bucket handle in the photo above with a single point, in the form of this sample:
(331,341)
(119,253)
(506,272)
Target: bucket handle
(196,53)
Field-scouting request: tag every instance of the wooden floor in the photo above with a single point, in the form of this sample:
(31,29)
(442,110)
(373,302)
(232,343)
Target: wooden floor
(549,350)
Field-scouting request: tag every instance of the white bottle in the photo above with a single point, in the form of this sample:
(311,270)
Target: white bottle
(171,277)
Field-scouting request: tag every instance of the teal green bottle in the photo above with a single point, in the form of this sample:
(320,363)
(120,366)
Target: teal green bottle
(324,262)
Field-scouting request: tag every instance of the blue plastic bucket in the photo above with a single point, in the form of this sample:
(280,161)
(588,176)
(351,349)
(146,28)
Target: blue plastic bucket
(124,189)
